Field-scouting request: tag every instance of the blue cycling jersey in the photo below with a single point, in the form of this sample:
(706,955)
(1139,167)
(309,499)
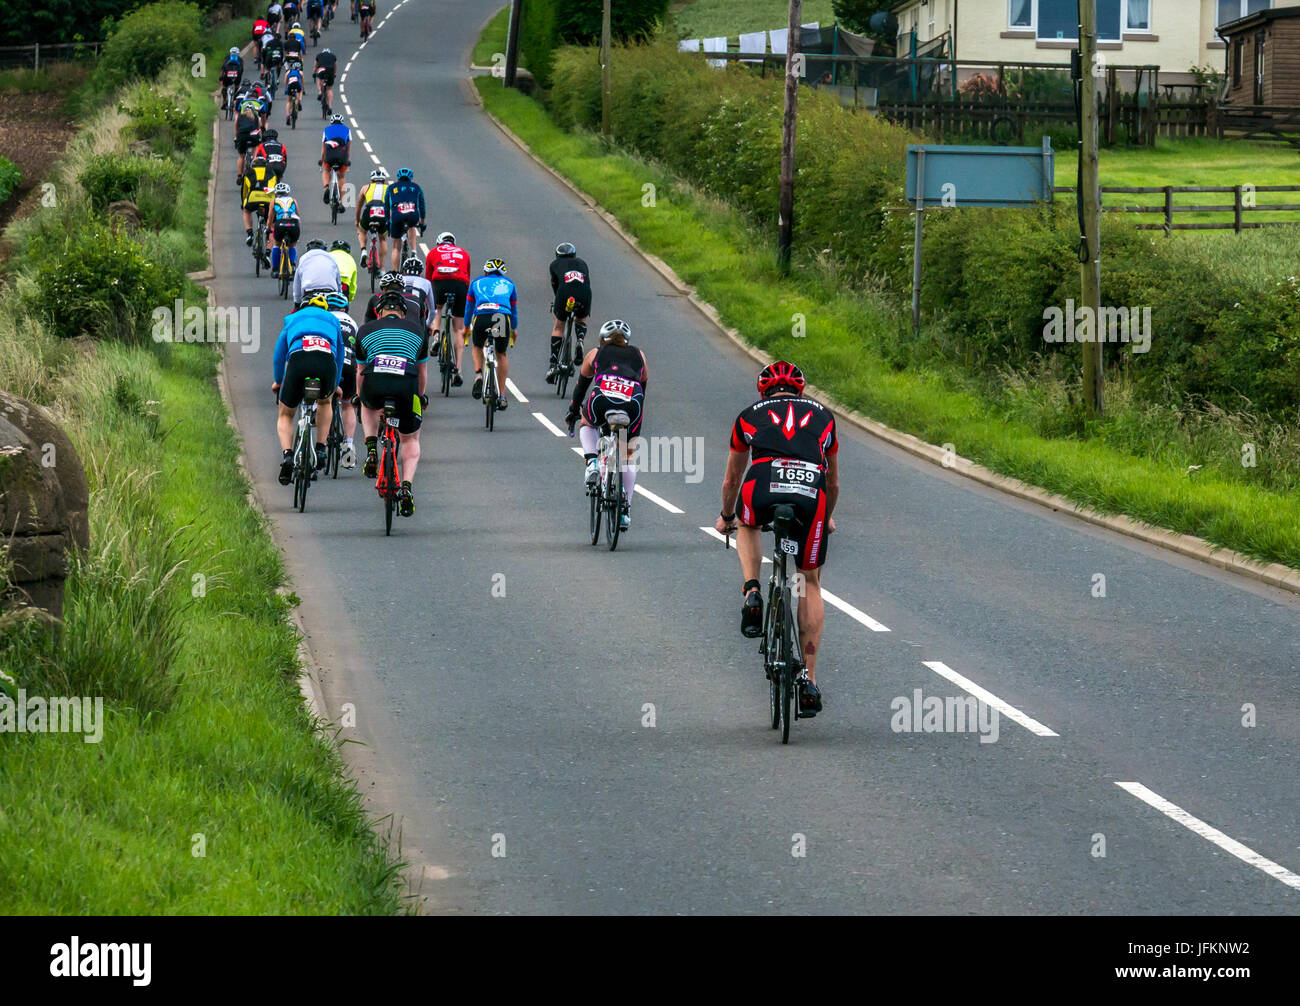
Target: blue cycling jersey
(308,321)
(404,198)
(338,135)
(493,294)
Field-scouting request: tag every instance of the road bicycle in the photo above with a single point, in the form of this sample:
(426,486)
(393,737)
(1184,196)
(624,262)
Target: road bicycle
(295,106)
(780,646)
(259,242)
(389,482)
(445,360)
(372,256)
(606,496)
(315,35)
(565,363)
(285,271)
(336,203)
(334,441)
(304,444)
(491,390)
(323,98)
(228,98)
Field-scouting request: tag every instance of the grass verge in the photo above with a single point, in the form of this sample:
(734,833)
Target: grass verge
(493,39)
(209,791)
(732,267)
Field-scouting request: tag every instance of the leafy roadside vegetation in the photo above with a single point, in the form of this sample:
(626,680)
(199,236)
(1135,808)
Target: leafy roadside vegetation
(859,348)
(493,39)
(10,176)
(173,616)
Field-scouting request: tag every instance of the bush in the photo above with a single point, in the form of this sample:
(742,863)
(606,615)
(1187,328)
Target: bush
(103,283)
(579,21)
(144,41)
(538,36)
(10,176)
(150,182)
(168,127)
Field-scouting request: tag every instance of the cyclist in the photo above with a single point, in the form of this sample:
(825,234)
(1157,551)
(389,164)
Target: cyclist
(309,345)
(260,29)
(272,59)
(571,284)
(315,11)
(341,253)
(291,9)
(365,11)
(790,444)
(335,142)
(326,65)
(295,43)
(393,362)
(293,87)
(232,75)
(248,127)
(338,306)
(447,268)
(285,225)
(371,215)
(491,309)
(273,152)
(273,15)
(266,36)
(393,281)
(256,194)
(619,372)
(420,288)
(317,273)
(404,205)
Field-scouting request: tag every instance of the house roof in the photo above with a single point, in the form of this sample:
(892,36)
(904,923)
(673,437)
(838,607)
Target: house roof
(1260,17)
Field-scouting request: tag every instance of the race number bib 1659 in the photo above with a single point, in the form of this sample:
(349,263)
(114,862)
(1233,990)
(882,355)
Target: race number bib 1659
(791,476)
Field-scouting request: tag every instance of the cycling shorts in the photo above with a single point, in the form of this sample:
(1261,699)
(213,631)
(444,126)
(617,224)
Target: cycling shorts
(402,388)
(348,386)
(802,484)
(581,293)
(458,288)
(326,77)
(288,231)
(302,365)
(485,326)
(598,403)
(372,217)
(400,223)
(247,139)
(336,157)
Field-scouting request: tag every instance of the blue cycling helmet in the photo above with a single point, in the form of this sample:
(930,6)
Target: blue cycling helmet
(405,174)
(337,301)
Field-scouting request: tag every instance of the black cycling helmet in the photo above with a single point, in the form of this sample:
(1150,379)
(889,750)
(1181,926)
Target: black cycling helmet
(566,250)
(391,281)
(315,243)
(412,266)
(390,300)
(342,246)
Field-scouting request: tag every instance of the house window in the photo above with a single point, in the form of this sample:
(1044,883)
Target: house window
(1230,10)
(1238,51)
(1058,20)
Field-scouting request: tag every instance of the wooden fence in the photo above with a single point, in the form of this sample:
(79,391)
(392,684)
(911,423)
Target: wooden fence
(1243,203)
(33,57)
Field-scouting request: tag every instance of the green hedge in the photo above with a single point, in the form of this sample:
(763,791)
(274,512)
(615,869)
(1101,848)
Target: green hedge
(151,183)
(166,125)
(146,39)
(546,24)
(1224,307)
(10,176)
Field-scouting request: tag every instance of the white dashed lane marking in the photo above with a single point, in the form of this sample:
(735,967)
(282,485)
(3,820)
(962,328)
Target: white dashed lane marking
(989,699)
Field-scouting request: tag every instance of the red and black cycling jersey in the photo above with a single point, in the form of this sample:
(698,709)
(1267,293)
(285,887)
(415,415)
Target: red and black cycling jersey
(786,427)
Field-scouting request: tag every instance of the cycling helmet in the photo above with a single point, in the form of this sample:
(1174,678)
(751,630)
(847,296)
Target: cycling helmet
(282,189)
(340,245)
(315,243)
(335,118)
(391,281)
(234,50)
(337,301)
(494,265)
(270,134)
(566,250)
(296,27)
(324,52)
(613,328)
(378,175)
(446,238)
(780,375)
(391,300)
(405,174)
(319,300)
(412,266)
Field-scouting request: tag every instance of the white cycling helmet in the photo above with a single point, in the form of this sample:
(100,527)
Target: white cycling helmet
(378,175)
(234,50)
(615,327)
(446,238)
(282,189)
(335,118)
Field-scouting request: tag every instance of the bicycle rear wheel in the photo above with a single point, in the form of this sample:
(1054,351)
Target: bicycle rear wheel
(613,503)
(566,354)
(336,442)
(302,474)
(597,508)
(444,358)
(334,202)
(789,660)
(770,649)
(390,486)
(787,689)
(490,396)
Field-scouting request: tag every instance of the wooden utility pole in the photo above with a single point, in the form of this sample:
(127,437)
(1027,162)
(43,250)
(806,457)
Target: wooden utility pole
(793,64)
(1089,197)
(606,84)
(512,42)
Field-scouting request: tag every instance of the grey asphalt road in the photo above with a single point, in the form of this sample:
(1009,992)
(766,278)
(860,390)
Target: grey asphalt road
(507,727)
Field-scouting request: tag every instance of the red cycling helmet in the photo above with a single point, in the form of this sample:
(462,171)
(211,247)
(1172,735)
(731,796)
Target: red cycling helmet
(780,375)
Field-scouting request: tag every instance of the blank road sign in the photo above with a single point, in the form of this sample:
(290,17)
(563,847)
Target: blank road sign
(980,176)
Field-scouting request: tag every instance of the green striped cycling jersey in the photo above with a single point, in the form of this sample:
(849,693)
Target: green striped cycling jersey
(393,336)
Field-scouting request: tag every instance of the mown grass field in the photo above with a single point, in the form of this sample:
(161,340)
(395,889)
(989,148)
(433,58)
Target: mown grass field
(847,347)
(708,18)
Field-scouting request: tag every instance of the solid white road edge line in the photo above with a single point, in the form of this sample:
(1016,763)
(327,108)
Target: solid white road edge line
(1230,845)
(988,698)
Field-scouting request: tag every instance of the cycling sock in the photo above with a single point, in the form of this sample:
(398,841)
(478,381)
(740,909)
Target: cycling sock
(589,438)
(750,585)
(589,457)
(555,348)
(629,481)
(580,330)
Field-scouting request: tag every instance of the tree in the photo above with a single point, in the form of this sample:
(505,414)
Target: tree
(578,21)
(854,14)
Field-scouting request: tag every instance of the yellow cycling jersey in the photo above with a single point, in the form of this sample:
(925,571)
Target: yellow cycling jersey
(299,35)
(373,193)
(255,185)
(347,272)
